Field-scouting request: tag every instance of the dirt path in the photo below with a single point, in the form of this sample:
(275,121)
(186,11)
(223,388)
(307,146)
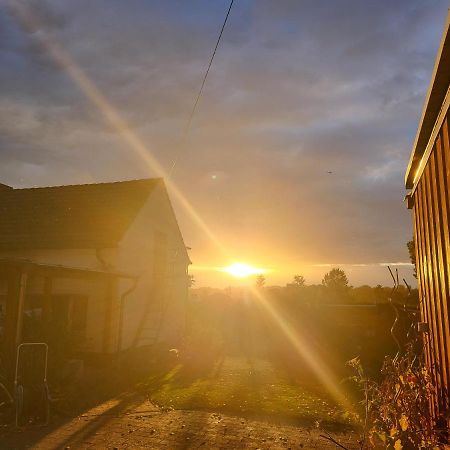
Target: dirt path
(134,423)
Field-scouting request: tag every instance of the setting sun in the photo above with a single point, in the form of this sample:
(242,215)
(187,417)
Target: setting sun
(241,270)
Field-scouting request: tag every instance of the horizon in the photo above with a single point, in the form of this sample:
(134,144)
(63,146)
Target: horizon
(312,277)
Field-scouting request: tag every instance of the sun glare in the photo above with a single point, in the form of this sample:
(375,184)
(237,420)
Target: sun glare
(241,270)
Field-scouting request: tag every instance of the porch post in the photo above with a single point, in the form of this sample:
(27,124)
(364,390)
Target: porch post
(15,299)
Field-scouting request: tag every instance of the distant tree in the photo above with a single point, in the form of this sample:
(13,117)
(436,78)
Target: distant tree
(260,281)
(299,281)
(336,280)
(412,254)
(191,280)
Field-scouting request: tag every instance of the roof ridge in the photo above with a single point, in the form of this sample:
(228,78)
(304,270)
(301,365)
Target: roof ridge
(103,183)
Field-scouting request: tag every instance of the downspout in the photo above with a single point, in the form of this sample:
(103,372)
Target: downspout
(121,308)
(103,264)
(23,278)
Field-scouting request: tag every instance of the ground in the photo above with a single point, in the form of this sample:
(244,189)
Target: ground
(135,423)
(234,403)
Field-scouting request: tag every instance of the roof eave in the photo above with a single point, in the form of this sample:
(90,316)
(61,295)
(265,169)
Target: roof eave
(432,105)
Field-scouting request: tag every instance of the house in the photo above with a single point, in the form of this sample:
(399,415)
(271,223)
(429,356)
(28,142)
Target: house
(428,179)
(107,259)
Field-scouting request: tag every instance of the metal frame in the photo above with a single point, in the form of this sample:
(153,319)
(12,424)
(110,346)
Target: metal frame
(18,388)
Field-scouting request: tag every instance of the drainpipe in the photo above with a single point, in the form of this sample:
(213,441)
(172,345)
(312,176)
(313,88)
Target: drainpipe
(23,278)
(121,307)
(103,264)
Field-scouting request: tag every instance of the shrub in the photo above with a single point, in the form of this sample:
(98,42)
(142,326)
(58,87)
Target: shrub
(397,412)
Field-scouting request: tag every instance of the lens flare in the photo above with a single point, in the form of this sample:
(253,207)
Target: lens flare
(301,344)
(137,146)
(110,114)
(242,270)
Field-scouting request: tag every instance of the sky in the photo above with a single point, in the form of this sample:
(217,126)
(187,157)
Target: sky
(298,89)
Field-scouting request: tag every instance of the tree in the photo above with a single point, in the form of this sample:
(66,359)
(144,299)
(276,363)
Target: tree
(260,281)
(299,281)
(336,280)
(412,254)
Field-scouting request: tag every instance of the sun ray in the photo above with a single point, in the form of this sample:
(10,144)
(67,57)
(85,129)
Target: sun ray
(118,123)
(300,343)
(112,116)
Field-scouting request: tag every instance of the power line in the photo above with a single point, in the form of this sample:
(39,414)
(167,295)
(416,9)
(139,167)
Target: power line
(194,108)
(208,69)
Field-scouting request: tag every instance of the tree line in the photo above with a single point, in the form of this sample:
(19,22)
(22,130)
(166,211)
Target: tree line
(334,289)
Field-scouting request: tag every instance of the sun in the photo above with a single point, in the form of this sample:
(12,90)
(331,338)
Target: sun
(242,270)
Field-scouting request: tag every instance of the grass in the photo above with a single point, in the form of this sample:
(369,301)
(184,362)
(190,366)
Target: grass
(244,387)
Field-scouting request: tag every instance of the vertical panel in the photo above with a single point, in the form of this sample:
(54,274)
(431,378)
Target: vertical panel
(436,301)
(422,271)
(445,147)
(426,284)
(432,234)
(423,294)
(435,220)
(434,335)
(444,245)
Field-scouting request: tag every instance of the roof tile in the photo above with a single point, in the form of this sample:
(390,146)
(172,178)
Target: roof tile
(75,216)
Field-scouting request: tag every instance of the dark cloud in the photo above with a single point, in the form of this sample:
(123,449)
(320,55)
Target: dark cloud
(298,88)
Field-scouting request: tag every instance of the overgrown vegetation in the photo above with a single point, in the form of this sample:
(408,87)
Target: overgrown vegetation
(412,254)
(397,411)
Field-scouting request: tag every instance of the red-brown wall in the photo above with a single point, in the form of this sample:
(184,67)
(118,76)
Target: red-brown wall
(431,215)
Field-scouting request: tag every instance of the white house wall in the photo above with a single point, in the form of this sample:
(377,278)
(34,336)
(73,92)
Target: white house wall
(135,256)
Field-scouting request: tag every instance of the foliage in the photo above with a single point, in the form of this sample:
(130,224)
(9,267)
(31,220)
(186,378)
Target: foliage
(397,410)
(412,254)
(335,283)
(299,281)
(336,280)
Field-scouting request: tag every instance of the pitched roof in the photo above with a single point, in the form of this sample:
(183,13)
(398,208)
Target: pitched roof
(76,216)
(437,92)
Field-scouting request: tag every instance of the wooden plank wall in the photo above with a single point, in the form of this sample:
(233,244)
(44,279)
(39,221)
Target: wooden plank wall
(431,229)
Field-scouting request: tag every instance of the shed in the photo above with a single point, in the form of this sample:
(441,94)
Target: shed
(428,179)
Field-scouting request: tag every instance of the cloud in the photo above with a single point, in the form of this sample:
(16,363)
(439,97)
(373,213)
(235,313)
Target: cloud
(297,89)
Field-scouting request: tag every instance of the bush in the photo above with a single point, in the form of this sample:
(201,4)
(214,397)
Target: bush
(397,412)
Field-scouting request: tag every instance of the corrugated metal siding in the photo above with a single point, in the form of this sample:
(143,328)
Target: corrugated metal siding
(431,229)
